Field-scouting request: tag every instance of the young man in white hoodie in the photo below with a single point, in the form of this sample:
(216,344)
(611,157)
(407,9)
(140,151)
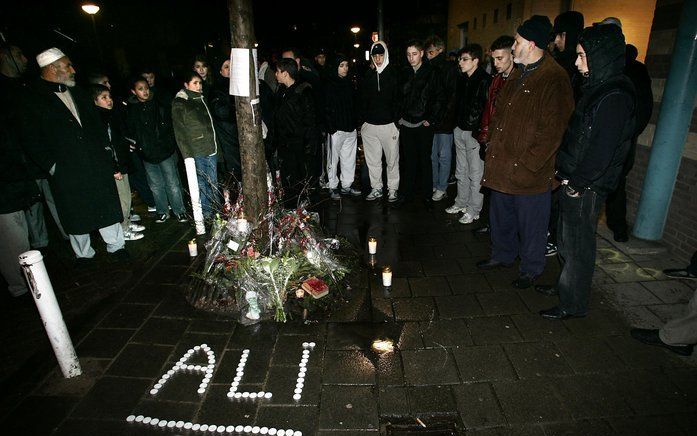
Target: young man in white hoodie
(379,107)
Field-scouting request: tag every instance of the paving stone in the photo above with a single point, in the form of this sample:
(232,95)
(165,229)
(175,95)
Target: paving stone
(166,331)
(389,369)
(479,249)
(641,316)
(90,427)
(502,279)
(170,410)
(410,336)
(348,367)
(399,289)
(458,306)
(535,301)
(594,427)
(104,343)
(127,316)
(637,355)
(167,274)
(648,393)
(175,306)
(606,255)
(587,355)
(289,349)
(670,291)
(261,335)
(478,405)
(536,359)
(382,310)
(686,381)
(451,251)
(431,400)
(180,387)
(189,340)
(350,336)
(149,294)
(24,419)
(646,426)
(597,323)
(429,367)
(626,272)
(501,303)
(255,369)
(348,407)
(298,418)
(446,333)
(630,294)
(530,401)
(493,330)
(407,269)
(666,312)
(111,398)
(484,364)
(469,265)
(534,328)
(469,283)
(211,326)
(281,382)
(440,267)
(429,286)
(393,401)
(139,360)
(415,309)
(591,396)
(218,409)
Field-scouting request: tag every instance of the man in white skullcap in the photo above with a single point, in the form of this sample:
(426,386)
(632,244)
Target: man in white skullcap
(63,136)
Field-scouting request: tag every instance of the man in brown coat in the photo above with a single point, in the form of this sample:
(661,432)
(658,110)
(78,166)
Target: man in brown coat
(532,112)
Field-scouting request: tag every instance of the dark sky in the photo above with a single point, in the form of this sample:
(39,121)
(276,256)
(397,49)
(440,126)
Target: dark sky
(169,33)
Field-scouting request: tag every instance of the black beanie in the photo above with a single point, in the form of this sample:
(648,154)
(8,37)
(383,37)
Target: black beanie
(538,29)
(569,21)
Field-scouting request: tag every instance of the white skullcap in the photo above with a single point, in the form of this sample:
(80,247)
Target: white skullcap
(49,56)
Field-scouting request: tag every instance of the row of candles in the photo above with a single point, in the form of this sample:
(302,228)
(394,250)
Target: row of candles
(386,270)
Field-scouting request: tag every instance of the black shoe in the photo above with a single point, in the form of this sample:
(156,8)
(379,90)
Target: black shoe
(547,290)
(621,236)
(121,255)
(680,273)
(334,194)
(492,264)
(651,337)
(523,281)
(550,249)
(180,217)
(162,218)
(481,230)
(557,313)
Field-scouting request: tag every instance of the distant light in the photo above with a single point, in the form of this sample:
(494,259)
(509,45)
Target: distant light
(355,29)
(353,60)
(256,44)
(367,55)
(356,45)
(383,346)
(210,44)
(90,8)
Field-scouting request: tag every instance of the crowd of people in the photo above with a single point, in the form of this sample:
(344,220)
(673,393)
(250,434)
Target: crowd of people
(542,127)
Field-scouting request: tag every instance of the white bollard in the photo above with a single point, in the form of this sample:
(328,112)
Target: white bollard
(32,263)
(190,165)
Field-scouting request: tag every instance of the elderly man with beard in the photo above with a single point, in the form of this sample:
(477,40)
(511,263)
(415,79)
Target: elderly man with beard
(590,162)
(532,112)
(63,136)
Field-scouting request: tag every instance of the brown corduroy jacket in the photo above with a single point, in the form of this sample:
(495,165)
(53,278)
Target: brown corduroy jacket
(530,119)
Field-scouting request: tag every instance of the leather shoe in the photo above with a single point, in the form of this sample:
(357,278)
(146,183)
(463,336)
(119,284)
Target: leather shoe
(651,337)
(547,290)
(557,313)
(491,264)
(523,281)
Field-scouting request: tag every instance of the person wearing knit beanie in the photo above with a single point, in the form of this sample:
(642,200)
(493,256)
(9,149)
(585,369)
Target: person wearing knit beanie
(531,40)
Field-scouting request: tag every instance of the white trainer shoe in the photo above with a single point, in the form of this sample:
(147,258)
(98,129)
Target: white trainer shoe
(135,217)
(438,195)
(455,209)
(374,195)
(468,219)
(136,227)
(392,196)
(132,236)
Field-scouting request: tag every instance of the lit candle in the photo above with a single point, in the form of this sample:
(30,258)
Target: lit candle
(242,224)
(193,248)
(372,245)
(387,277)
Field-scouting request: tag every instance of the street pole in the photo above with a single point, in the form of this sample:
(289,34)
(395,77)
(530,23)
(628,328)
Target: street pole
(252,154)
(381,26)
(192,179)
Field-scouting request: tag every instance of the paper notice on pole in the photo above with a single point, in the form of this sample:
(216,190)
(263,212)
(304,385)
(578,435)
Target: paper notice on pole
(239,72)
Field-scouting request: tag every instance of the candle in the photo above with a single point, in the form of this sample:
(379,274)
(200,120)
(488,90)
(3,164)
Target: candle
(242,224)
(193,248)
(387,277)
(372,245)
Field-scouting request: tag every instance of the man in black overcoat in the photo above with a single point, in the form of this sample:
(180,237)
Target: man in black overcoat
(62,134)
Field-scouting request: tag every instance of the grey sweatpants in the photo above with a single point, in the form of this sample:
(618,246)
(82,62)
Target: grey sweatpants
(14,240)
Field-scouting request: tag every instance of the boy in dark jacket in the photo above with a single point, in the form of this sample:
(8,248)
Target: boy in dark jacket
(119,150)
(150,126)
(340,121)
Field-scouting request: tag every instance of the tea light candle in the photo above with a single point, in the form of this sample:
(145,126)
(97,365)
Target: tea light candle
(372,245)
(193,248)
(387,277)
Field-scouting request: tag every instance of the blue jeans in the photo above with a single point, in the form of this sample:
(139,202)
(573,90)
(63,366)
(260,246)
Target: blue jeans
(441,159)
(163,178)
(207,176)
(519,228)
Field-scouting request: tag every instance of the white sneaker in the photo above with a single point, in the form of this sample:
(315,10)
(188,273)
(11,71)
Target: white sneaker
(468,219)
(438,195)
(132,236)
(136,228)
(135,217)
(455,209)
(374,195)
(152,209)
(392,196)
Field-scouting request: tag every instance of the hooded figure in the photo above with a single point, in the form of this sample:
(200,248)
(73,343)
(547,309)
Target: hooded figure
(590,161)
(567,29)
(379,111)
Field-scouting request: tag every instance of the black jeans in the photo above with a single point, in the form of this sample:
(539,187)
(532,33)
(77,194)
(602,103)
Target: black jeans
(578,221)
(415,145)
(616,203)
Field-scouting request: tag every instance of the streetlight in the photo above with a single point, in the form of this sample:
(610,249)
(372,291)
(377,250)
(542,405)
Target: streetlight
(355,29)
(91,9)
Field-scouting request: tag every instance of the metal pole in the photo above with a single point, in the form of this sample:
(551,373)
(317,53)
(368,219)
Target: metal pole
(191,178)
(381,26)
(671,129)
(32,263)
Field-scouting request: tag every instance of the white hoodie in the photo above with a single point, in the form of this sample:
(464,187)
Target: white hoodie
(385,63)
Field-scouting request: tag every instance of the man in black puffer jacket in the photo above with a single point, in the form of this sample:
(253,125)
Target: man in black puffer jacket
(590,161)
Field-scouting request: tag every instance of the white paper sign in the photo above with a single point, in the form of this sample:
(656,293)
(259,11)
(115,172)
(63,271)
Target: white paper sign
(239,72)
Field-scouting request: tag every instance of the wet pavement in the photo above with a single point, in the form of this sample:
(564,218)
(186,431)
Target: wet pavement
(470,351)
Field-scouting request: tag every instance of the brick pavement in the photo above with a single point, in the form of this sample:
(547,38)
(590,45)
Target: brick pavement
(470,349)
